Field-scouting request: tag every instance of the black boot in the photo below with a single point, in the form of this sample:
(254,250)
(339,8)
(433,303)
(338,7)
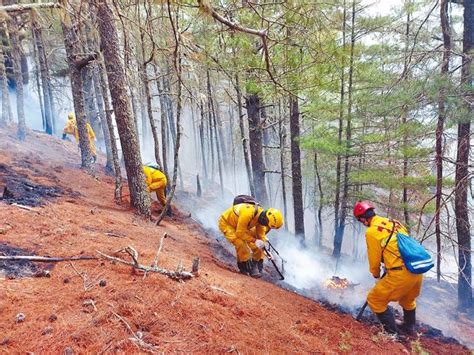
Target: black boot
(243,267)
(259,265)
(388,321)
(409,322)
(253,269)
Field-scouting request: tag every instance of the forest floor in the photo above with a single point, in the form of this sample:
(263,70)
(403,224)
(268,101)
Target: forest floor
(218,311)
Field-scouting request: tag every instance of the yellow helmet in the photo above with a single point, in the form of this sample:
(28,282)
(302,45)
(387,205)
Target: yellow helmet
(274,218)
(70,116)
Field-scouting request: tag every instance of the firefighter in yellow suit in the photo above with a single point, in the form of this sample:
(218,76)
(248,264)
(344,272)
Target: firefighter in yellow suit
(398,284)
(71,128)
(245,226)
(156,182)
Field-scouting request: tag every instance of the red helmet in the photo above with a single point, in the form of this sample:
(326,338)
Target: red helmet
(361,207)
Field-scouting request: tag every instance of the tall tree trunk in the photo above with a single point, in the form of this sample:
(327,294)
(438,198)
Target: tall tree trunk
(143,113)
(110,128)
(170,109)
(163,118)
(282,132)
(406,74)
(201,139)
(177,67)
(197,152)
(16,54)
(99,96)
(297,181)
(345,188)
(49,84)
(95,68)
(256,148)
(318,216)
(211,138)
(218,122)
(92,111)
(149,101)
(89,101)
(43,70)
(242,136)
(133,101)
(38,85)
(213,121)
(233,150)
(154,130)
(440,129)
(7,115)
(6,108)
(267,161)
(219,145)
(125,122)
(71,40)
(462,162)
(132,80)
(337,192)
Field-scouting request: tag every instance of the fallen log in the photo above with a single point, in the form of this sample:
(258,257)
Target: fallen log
(44,259)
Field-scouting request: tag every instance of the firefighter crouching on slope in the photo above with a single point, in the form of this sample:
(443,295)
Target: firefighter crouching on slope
(71,128)
(156,182)
(245,226)
(398,284)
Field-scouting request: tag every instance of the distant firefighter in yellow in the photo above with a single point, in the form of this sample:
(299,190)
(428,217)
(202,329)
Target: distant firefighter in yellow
(246,225)
(71,128)
(156,182)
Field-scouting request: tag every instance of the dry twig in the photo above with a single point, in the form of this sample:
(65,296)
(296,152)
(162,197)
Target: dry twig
(137,337)
(83,277)
(222,290)
(175,275)
(160,247)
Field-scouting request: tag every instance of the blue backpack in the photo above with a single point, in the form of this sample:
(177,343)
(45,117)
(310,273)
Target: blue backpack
(414,255)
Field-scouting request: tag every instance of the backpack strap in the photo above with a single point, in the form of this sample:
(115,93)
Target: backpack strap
(390,237)
(257,205)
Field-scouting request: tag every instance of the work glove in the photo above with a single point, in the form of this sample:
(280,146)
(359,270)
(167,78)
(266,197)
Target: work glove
(260,244)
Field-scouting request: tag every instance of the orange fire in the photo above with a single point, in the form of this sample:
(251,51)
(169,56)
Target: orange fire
(336,282)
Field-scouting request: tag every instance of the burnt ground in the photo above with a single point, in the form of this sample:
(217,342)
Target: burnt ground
(98,305)
(13,270)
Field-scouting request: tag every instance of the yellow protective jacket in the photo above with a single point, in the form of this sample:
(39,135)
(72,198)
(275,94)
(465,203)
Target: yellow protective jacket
(376,237)
(71,128)
(244,218)
(155,179)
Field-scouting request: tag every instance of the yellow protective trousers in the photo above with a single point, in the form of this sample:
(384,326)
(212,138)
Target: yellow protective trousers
(93,148)
(243,248)
(160,195)
(398,285)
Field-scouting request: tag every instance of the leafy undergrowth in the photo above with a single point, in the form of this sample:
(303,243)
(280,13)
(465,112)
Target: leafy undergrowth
(98,305)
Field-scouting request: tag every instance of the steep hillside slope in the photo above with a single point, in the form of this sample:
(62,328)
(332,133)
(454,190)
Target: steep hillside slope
(98,305)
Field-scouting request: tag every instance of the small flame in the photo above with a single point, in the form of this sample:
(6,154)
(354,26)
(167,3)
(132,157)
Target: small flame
(336,282)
